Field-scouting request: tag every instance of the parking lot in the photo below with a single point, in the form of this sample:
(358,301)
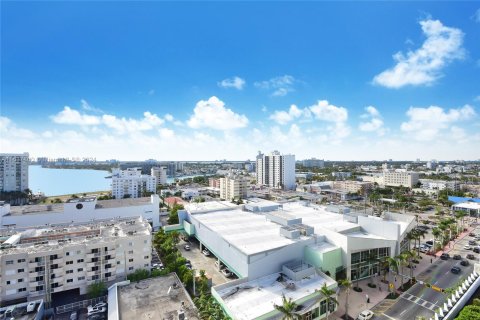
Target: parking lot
(201,262)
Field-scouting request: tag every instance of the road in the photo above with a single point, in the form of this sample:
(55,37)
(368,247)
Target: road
(422,301)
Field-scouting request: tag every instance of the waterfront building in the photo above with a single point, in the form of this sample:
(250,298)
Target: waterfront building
(41,262)
(80,210)
(276,170)
(160,173)
(131,183)
(14,171)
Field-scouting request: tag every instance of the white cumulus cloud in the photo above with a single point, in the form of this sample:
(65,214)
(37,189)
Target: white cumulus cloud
(426,123)
(213,114)
(124,125)
(283,117)
(325,111)
(423,66)
(72,116)
(235,82)
(373,121)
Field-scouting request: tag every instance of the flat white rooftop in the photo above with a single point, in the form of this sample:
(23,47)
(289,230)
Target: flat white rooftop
(319,218)
(468,205)
(250,233)
(323,247)
(210,206)
(255,298)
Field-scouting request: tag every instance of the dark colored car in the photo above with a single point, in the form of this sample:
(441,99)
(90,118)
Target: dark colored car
(457,257)
(445,256)
(429,242)
(465,263)
(472,242)
(476,250)
(471,234)
(456,270)
(470,256)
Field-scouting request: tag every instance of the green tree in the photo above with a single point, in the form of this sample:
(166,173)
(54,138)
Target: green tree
(469,312)
(347,284)
(288,309)
(96,290)
(138,275)
(328,294)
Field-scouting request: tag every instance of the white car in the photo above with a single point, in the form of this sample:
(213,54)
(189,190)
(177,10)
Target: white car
(467,247)
(206,252)
(226,273)
(98,308)
(365,315)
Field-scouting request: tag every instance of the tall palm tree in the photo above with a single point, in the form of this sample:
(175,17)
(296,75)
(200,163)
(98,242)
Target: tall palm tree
(436,233)
(411,235)
(401,258)
(384,266)
(328,294)
(348,285)
(420,234)
(461,215)
(410,255)
(288,309)
(392,264)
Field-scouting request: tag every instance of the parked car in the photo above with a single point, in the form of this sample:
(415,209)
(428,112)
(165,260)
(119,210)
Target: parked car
(365,315)
(476,249)
(470,256)
(31,306)
(471,234)
(472,242)
(445,256)
(218,264)
(98,308)
(456,270)
(158,266)
(226,273)
(465,263)
(206,252)
(457,257)
(424,249)
(186,247)
(73,315)
(467,247)
(97,316)
(429,242)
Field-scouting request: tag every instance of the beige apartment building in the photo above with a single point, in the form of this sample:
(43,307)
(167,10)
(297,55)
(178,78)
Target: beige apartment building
(233,188)
(38,263)
(352,186)
(400,178)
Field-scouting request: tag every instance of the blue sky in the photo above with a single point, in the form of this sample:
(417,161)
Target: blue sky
(187,81)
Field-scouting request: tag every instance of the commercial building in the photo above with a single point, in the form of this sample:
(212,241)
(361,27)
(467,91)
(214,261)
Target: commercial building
(131,183)
(160,173)
(233,188)
(428,184)
(259,241)
(40,262)
(313,163)
(80,210)
(470,207)
(350,186)
(276,170)
(341,175)
(400,178)
(155,298)
(14,171)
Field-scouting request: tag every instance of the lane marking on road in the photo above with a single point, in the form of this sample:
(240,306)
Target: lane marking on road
(401,313)
(386,315)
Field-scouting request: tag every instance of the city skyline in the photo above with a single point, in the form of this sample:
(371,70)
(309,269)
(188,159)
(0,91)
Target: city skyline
(135,81)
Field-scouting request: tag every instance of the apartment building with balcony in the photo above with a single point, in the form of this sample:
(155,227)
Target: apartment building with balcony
(14,171)
(233,188)
(400,178)
(131,183)
(41,262)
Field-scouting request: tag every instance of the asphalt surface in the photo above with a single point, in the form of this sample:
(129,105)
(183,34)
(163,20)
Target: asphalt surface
(422,301)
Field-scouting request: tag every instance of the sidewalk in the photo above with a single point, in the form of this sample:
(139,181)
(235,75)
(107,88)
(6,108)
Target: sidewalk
(451,245)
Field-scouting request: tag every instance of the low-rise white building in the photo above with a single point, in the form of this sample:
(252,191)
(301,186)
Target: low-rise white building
(131,183)
(400,178)
(350,186)
(439,184)
(40,262)
(80,210)
(233,188)
(341,175)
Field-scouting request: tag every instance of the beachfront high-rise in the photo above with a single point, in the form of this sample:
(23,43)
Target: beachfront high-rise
(276,170)
(161,174)
(131,183)
(14,171)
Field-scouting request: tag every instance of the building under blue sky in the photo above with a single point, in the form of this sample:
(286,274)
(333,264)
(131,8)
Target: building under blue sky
(185,81)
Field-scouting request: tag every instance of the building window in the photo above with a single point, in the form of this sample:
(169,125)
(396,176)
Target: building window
(20,280)
(20,260)
(9,262)
(69,262)
(8,282)
(67,253)
(80,269)
(130,260)
(130,268)
(323,307)
(81,278)
(22,289)
(146,257)
(69,280)
(79,251)
(20,270)
(79,260)
(69,271)
(130,252)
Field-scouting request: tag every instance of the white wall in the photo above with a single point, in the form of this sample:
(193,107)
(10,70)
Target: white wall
(149,211)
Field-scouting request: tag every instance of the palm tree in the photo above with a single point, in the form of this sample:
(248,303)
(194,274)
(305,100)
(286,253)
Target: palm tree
(288,309)
(384,267)
(460,215)
(392,264)
(420,234)
(348,285)
(328,293)
(411,235)
(436,233)
(410,255)
(401,258)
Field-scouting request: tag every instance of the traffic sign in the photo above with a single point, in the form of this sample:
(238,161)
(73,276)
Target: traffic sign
(391,286)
